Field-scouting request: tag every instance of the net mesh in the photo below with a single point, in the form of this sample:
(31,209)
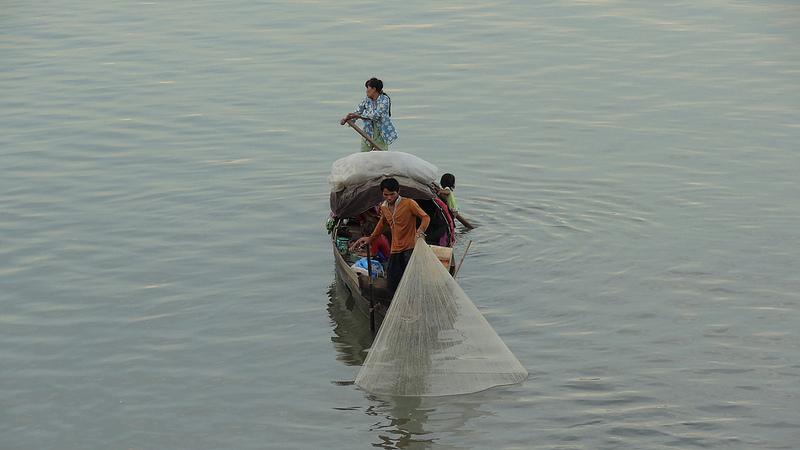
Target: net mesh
(434,341)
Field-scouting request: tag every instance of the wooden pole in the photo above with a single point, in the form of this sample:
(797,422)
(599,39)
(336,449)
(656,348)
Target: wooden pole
(461,263)
(371,293)
(363,134)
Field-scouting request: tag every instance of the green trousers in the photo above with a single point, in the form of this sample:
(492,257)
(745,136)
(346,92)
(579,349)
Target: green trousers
(378,138)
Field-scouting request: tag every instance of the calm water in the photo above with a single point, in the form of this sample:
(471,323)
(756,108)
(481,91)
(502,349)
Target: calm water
(166,281)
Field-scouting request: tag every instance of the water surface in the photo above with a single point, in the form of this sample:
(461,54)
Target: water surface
(166,280)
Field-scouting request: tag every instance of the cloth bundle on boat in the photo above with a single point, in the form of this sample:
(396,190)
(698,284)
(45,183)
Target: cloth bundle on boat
(355,179)
(360,266)
(434,341)
(360,167)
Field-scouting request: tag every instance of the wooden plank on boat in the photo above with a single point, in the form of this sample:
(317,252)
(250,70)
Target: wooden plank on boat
(445,255)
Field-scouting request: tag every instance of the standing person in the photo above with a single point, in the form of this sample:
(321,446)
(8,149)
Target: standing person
(400,214)
(376,112)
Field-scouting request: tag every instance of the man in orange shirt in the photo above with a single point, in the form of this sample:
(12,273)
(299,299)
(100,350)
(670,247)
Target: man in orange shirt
(400,214)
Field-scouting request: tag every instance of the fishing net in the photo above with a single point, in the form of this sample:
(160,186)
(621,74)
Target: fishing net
(434,341)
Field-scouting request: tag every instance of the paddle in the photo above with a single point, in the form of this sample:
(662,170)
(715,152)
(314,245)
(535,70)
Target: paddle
(363,134)
(371,294)
(464,221)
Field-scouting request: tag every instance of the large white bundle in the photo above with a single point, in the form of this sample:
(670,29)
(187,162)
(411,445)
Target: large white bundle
(434,341)
(360,167)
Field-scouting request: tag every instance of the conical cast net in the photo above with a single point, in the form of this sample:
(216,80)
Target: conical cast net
(434,341)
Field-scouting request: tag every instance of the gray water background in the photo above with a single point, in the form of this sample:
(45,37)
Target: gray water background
(166,281)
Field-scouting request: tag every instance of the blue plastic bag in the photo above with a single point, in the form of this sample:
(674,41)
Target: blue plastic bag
(377,268)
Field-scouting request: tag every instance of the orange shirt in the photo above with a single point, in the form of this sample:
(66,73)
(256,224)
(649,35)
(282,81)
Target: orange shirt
(402,221)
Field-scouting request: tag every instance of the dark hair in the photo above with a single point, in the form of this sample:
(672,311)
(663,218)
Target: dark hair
(378,85)
(374,83)
(391,184)
(448,181)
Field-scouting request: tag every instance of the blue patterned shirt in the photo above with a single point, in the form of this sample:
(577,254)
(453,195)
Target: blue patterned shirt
(379,112)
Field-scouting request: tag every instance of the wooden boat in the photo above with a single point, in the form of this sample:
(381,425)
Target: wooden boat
(354,214)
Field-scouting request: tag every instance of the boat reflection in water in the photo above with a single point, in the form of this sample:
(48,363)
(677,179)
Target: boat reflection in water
(403,422)
(351,333)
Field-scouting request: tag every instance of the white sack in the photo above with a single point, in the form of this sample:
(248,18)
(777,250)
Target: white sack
(360,167)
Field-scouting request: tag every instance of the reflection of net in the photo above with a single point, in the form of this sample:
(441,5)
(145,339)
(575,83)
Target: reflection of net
(434,341)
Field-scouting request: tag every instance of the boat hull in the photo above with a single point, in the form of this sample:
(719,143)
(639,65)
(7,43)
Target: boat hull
(354,286)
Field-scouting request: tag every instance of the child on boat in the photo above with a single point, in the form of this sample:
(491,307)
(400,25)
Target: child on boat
(447,185)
